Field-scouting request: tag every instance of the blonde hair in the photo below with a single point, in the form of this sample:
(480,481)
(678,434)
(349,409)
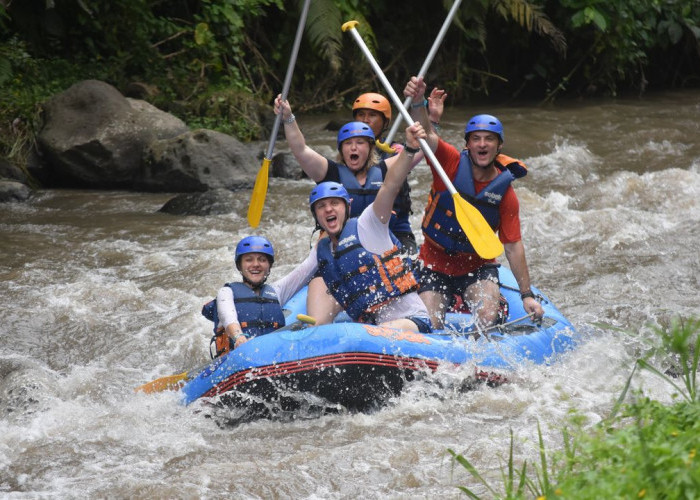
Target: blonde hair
(372,159)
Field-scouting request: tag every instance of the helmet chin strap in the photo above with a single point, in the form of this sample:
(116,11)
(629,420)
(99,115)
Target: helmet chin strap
(253,285)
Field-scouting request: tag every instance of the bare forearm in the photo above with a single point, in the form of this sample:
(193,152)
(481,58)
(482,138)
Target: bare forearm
(515,253)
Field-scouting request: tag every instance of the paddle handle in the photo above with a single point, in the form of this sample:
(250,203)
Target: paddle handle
(350,26)
(426,64)
(288,76)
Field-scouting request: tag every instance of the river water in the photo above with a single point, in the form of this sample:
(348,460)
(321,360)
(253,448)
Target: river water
(100,293)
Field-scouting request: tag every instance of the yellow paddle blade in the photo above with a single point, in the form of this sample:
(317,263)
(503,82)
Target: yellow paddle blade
(478,231)
(309,320)
(169,383)
(385,147)
(257,199)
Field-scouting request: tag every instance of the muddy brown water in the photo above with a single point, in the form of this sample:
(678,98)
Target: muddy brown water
(101,293)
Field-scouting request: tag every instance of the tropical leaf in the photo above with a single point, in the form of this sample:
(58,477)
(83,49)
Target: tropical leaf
(323,30)
(531,17)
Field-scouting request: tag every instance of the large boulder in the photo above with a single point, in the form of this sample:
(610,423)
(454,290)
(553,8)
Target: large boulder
(12,172)
(198,160)
(93,136)
(11,191)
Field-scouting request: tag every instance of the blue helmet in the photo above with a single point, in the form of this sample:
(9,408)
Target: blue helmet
(488,123)
(354,129)
(254,244)
(328,190)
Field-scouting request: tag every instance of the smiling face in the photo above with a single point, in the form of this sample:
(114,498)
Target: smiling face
(254,267)
(331,214)
(355,152)
(375,120)
(483,147)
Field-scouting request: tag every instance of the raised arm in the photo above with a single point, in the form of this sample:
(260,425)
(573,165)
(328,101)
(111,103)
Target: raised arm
(312,163)
(396,175)
(415,88)
(300,276)
(436,106)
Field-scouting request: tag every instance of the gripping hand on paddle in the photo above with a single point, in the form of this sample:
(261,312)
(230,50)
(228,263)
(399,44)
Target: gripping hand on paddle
(282,106)
(415,89)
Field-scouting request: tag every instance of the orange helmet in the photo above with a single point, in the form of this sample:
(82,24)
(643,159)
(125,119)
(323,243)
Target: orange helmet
(373,101)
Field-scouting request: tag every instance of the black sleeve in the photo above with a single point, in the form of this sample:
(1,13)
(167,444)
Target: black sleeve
(332,175)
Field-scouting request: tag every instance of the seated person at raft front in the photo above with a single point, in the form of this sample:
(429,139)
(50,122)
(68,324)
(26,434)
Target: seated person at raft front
(449,264)
(359,261)
(243,310)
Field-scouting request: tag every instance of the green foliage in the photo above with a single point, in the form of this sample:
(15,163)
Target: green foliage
(208,59)
(228,110)
(615,41)
(26,82)
(645,449)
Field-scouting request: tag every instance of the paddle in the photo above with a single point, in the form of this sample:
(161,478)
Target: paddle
(176,382)
(386,146)
(478,231)
(257,198)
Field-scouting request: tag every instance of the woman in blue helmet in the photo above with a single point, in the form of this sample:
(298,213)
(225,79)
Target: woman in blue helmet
(246,309)
(450,266)
(359,166)
(360,262)
(361,171)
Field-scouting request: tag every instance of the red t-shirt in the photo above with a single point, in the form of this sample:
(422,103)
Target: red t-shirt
(508,229)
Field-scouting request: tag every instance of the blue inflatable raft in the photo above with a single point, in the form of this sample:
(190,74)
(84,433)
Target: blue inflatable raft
(360,366)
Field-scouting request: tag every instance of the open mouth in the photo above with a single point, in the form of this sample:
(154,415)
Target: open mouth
(354,157)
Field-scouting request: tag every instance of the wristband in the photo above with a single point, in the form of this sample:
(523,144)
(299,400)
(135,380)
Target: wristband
(410,150)
(291,119)
(423,104)
(527,294)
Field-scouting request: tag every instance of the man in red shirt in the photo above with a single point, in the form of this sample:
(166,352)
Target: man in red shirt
(483,177)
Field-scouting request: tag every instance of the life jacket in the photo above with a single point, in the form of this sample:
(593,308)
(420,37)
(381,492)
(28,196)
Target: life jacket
(516,167)
(362,196)
(362,281)
(257,314)
(440,224)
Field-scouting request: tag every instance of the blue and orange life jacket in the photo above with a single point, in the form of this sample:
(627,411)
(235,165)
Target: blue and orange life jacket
(362,281)
(257,314)
(440,224)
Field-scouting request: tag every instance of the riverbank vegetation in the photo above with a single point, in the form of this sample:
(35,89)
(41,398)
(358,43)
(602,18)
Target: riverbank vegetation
(219,63)
(644,449)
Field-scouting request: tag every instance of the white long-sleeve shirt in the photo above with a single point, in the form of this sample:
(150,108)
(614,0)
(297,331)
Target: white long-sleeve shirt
(374,236)
(285,288)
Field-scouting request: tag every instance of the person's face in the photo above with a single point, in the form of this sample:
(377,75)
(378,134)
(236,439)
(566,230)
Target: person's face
(330,214)
(355,152)
(255,267)
(373,118)
(483,147)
